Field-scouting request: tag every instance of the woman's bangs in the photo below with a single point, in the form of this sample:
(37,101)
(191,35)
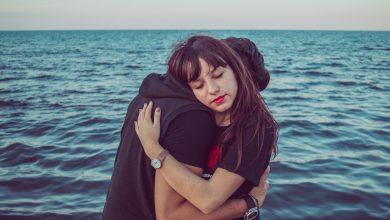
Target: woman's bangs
(214,60)
(191,68)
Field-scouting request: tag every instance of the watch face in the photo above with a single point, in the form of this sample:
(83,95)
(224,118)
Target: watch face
(251,214)
(156,163)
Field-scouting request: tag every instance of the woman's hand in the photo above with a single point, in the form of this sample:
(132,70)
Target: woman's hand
(148,131)
(260,192)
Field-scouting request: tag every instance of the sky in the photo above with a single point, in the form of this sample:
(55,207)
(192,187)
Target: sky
(199,14)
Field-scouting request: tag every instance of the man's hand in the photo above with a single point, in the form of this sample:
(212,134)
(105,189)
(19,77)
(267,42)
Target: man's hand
(260,192)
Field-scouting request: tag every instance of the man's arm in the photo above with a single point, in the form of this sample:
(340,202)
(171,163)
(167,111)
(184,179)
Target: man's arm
(170,205)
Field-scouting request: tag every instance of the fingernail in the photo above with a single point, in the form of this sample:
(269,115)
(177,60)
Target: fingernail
(158,109)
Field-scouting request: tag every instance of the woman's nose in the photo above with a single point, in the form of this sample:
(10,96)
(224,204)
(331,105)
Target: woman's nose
(213,87)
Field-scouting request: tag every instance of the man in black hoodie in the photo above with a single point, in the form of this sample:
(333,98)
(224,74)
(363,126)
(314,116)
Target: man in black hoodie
(187,130)
(131,190)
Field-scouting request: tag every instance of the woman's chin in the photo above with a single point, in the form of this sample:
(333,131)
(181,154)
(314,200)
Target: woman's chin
(221,109)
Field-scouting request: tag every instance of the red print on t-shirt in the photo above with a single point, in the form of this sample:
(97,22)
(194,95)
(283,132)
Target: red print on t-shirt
(213,157)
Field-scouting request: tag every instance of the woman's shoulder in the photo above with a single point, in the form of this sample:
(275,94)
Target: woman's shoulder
(253,122)
(257,133)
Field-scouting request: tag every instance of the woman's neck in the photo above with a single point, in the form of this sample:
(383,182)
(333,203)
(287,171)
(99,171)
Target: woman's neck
(222,119)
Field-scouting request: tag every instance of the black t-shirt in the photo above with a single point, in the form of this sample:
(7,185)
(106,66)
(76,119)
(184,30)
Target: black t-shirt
(253,163)
(131,195)
(190,136)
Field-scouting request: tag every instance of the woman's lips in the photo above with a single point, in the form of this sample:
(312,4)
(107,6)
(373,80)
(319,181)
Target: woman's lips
(219,100)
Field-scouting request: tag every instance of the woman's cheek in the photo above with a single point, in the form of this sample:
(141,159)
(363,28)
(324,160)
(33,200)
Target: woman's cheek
(200,96)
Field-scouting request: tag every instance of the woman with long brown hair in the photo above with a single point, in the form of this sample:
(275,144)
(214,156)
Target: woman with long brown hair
(247,131)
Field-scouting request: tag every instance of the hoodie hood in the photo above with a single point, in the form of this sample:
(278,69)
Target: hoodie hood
(164,86)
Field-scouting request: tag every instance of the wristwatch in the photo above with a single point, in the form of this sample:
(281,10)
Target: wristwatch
(253,211)
(157,162)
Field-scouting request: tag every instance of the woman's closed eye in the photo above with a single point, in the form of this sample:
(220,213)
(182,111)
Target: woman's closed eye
(199,86)
(218,75)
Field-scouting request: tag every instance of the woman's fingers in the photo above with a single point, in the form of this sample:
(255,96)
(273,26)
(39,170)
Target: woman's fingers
(136,128)
(146,114)
(143,110)
(148,111)
(157,116)
(139,115)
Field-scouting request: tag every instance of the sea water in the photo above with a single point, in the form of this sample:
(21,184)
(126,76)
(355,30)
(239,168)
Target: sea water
(64,95)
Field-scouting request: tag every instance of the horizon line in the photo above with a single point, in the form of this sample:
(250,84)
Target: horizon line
(195,29)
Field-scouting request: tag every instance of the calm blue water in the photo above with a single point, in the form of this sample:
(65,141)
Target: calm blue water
(63,97)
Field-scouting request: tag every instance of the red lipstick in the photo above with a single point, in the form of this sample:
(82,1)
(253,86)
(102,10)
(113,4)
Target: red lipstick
(219,100)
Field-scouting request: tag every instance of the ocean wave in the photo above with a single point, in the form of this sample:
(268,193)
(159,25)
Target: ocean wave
(133,67)
(318,73)
(6,79)
(94,121)
(13,103)
(278,71)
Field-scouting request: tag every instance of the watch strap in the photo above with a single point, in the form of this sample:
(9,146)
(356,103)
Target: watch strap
(161,157)
(253,211)
(250,202)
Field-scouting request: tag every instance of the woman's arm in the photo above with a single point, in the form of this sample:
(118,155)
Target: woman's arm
(171,205)
(205,195)
(232,208)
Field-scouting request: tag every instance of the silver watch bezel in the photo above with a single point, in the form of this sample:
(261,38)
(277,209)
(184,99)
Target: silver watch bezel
(250,212)
(155,163)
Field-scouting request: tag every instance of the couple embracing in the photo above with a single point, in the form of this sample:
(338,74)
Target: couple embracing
(197,141)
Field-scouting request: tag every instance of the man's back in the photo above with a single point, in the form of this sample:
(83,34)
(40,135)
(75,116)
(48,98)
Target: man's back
(131,190)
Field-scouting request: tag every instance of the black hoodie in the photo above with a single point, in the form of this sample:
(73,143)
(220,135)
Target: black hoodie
(131,190)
